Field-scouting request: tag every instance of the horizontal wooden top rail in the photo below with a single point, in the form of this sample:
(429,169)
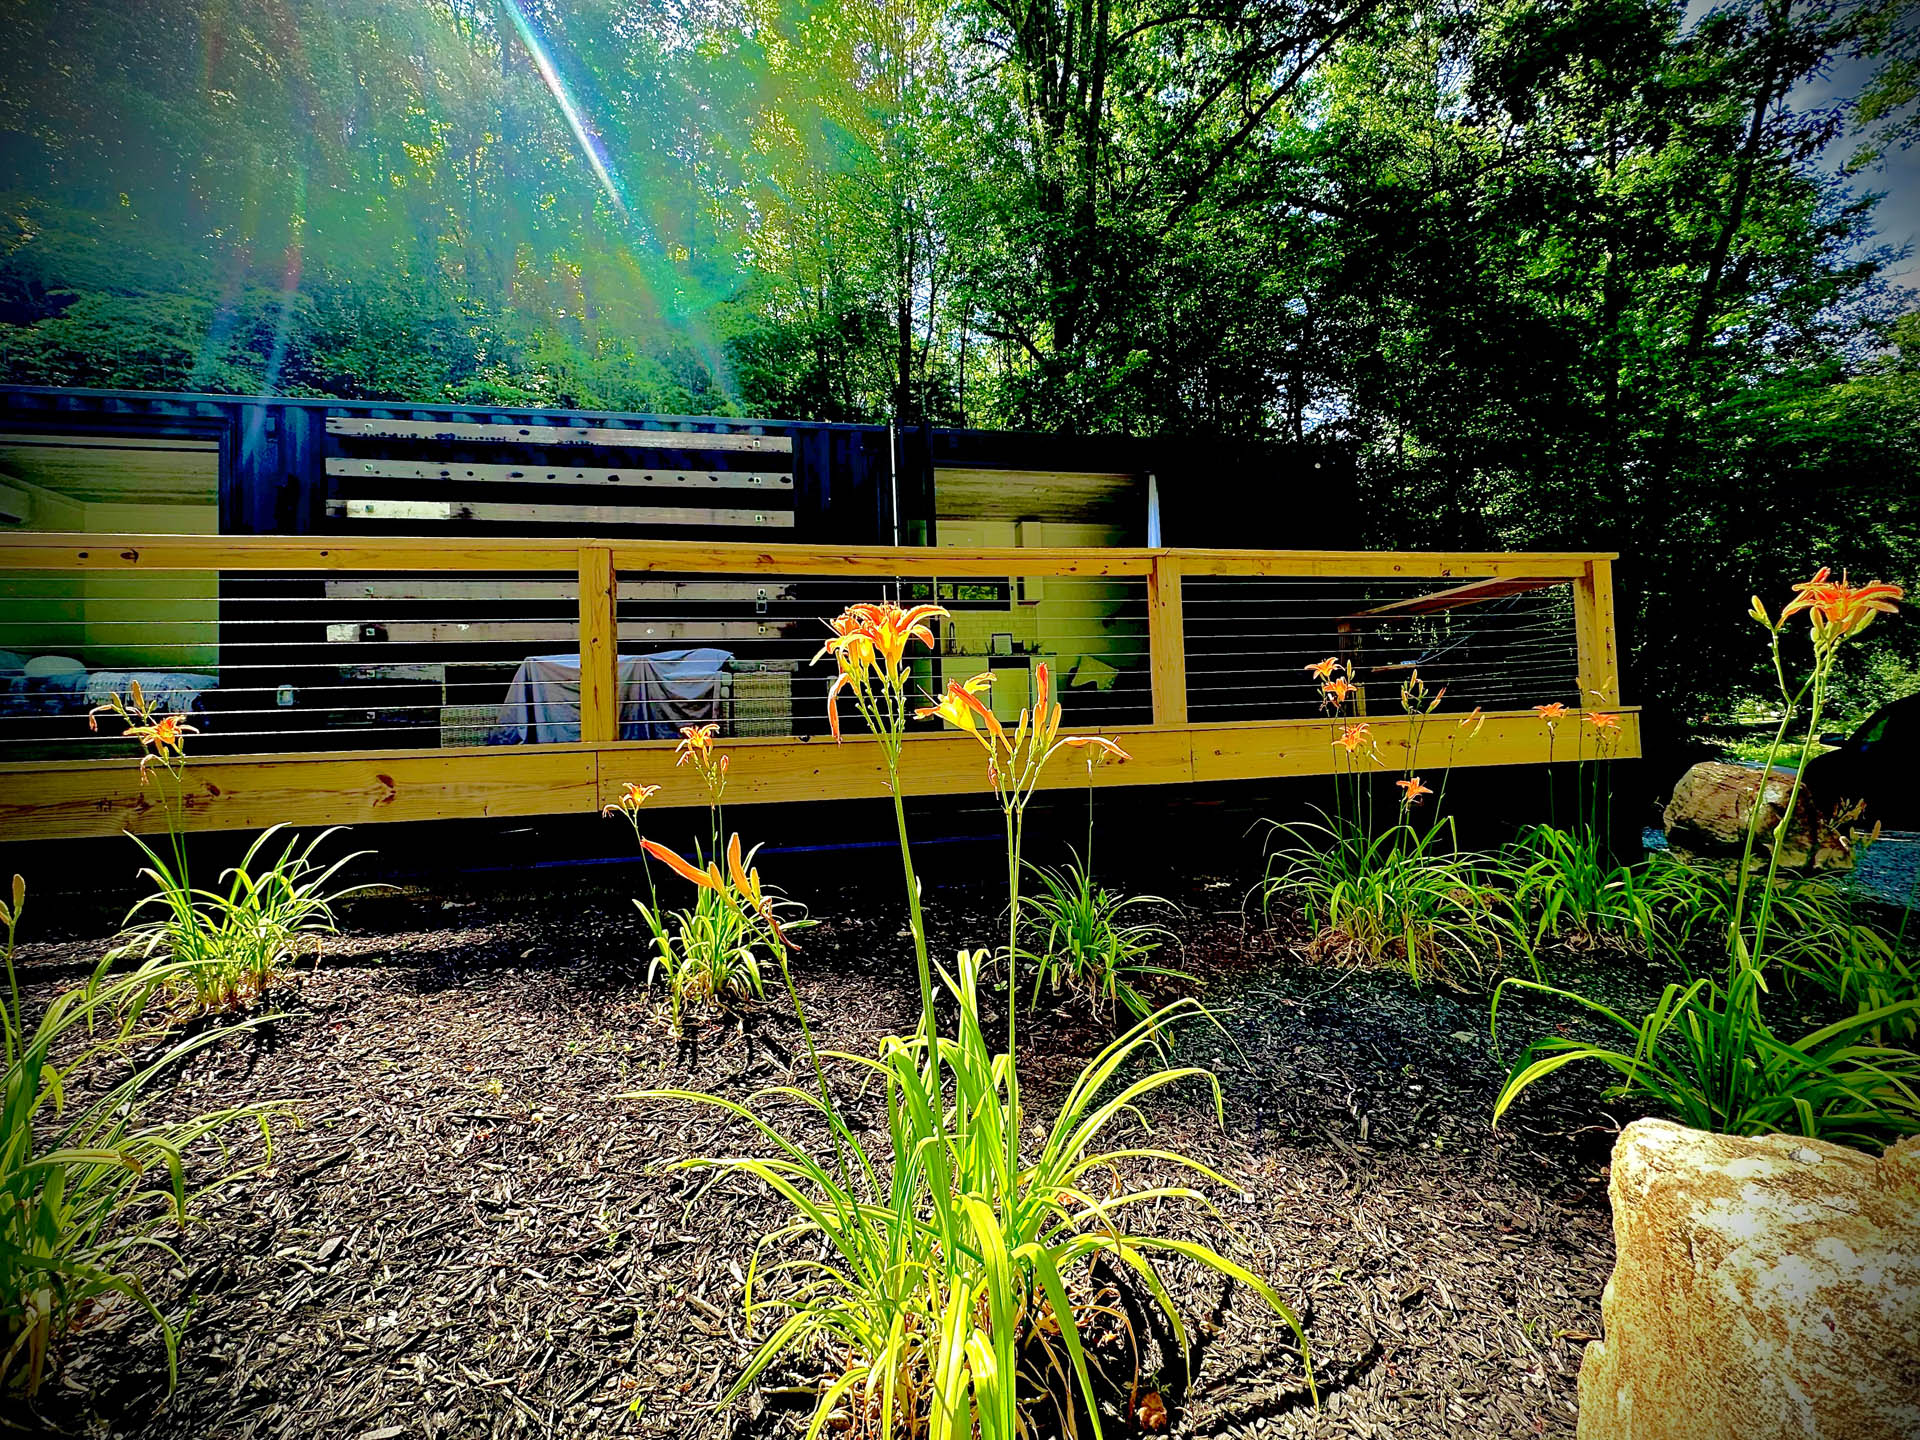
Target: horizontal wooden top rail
(68,551)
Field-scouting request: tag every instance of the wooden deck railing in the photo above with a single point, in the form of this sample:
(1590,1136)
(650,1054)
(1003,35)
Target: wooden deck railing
(1194,658)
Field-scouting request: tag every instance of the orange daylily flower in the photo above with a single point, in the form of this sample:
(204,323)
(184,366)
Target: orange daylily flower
(1600,720)
(162,738)
(708,878)
(696,743)
(1337,690)
(1099,748)
(1323,670)
(632,797)
(1354,736)
(866,634)
(961,708)
(1841,607)
(169,732)
(1414,790)
(747,883)
(1551,713)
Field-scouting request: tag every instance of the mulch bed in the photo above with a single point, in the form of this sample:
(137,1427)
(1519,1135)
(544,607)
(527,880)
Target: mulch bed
(468,1232)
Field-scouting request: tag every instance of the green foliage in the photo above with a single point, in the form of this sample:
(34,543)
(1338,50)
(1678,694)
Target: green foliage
(229,947)
(1706,1051)
(1704,1054)
(946,1289)
(1819,932)
(1669,335)
(1406,897)
(1567,888)
(953,1286)
(1083,941)
(87,1183)
(707,954)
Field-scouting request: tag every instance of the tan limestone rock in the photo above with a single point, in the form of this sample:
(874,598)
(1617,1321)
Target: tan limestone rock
(1712,803)
(1764,1288)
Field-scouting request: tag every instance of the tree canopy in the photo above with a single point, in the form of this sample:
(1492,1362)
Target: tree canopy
(1550,272)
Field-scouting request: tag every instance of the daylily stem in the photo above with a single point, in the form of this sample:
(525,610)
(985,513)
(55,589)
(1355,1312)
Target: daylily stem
(914,920)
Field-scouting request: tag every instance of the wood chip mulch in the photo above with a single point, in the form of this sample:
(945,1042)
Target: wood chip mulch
(468,1234)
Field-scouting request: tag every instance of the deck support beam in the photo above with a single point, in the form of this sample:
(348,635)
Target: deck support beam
(1167,641)
(599,649)
(1597,651)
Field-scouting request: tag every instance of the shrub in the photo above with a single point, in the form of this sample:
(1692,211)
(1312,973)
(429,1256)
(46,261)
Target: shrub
(1705,1054)
(86,1184)
(1817,931)
(1407,896)
(1083,941)
(1706,1051)
(709,953)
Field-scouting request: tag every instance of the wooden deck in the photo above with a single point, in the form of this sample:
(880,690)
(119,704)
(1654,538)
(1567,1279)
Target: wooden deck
(102,794)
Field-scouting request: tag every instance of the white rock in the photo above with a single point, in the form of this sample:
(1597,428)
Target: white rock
(1763,1289)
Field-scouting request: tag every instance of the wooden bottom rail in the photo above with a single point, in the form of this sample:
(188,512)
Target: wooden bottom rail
(74,799)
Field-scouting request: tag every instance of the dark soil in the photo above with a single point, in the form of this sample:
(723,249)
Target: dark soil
(468,1232)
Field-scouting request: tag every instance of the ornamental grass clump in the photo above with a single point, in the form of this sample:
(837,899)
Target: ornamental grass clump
(1706,1051)
(959,1277)
(229,946)
(1405,894)
(88,1185)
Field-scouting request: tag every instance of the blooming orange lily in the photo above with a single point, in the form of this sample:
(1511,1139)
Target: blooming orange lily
(1551,713)
(1601,721)
(1323,669)
(1098,748)
(1838,608)
(696,749)
(632,797)
(1014,762)
(961,708)
(696,743)
(1336,691)
(1354,736)
(162,737)
(869,642)
(1412,790)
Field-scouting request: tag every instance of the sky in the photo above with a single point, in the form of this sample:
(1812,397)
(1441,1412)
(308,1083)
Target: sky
(1897,177)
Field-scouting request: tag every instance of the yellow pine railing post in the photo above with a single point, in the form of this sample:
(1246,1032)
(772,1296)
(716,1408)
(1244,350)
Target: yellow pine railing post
(1167,641)
(599,648)
(1595,649)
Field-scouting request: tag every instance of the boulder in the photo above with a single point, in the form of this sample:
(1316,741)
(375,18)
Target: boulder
(1713,801)
(1763,1288)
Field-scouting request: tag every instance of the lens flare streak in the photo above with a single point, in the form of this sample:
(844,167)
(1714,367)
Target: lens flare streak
(590,145)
